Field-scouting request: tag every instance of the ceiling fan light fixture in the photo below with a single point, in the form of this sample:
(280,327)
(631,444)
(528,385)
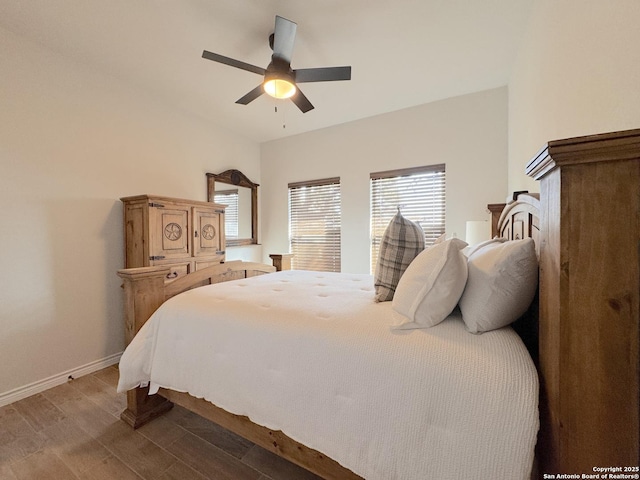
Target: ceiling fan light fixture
(279,87)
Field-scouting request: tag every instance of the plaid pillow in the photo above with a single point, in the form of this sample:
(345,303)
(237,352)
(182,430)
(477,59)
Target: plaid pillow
(402,241)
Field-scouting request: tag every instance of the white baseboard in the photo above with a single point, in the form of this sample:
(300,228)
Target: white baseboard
(41,385)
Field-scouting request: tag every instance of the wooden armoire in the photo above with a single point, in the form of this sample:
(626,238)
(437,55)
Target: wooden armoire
(185,235)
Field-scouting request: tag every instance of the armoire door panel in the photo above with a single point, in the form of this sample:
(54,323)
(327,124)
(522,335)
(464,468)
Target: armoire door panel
(171,238)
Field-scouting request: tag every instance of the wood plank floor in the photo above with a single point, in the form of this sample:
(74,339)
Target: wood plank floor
(73,431)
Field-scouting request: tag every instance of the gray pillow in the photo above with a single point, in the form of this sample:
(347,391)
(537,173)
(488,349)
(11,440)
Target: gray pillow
(402,241)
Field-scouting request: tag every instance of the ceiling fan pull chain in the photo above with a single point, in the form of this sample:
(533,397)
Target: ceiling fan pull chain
(284,119)
(275,109)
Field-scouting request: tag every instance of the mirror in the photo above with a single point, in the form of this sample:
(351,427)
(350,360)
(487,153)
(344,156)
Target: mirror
(234,189)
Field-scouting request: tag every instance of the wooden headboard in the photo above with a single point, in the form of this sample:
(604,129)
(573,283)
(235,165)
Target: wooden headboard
(518,219)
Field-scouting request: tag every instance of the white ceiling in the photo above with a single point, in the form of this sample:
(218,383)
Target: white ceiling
(403,53)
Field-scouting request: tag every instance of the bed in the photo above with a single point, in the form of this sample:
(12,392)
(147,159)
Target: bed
(311,359)
(393,443)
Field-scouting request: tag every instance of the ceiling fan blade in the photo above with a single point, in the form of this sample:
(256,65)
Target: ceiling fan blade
(302,102)
(251,96)
(327,74)
(232,62)
(284,36)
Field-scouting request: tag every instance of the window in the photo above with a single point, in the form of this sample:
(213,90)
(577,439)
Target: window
(230,199)
(418,192)
(314,225)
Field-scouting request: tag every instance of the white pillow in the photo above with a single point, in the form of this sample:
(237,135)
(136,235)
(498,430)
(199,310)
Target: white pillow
(431,286)
(503,278)
(470,250)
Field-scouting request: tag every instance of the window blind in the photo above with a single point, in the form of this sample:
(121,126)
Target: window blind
(230,199)
(419,193)
(314,225)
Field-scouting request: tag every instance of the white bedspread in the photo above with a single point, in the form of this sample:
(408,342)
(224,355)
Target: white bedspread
(311,354)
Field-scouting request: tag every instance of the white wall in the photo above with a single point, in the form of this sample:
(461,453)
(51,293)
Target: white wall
(577,73)
(72,142)
(467,133)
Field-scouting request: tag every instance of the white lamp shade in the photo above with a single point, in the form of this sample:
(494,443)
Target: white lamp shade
(279,88)
(477,231)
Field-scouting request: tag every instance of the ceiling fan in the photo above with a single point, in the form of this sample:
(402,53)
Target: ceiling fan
(280,81)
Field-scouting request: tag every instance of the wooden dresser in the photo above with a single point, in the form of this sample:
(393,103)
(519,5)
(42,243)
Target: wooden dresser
(184,235)
(589,302)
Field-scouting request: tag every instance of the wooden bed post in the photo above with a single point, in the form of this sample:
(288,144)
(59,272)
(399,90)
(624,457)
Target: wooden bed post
(589,302)
(496,210)
(144,293)
(282,261)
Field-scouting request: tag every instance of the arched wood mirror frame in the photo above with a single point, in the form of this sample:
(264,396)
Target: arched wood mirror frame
(239,179)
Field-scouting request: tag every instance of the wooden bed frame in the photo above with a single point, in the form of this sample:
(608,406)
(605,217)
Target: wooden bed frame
(145,291)
(588,236)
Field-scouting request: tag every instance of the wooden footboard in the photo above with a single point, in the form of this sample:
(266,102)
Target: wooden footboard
(145,288)
(144,291)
